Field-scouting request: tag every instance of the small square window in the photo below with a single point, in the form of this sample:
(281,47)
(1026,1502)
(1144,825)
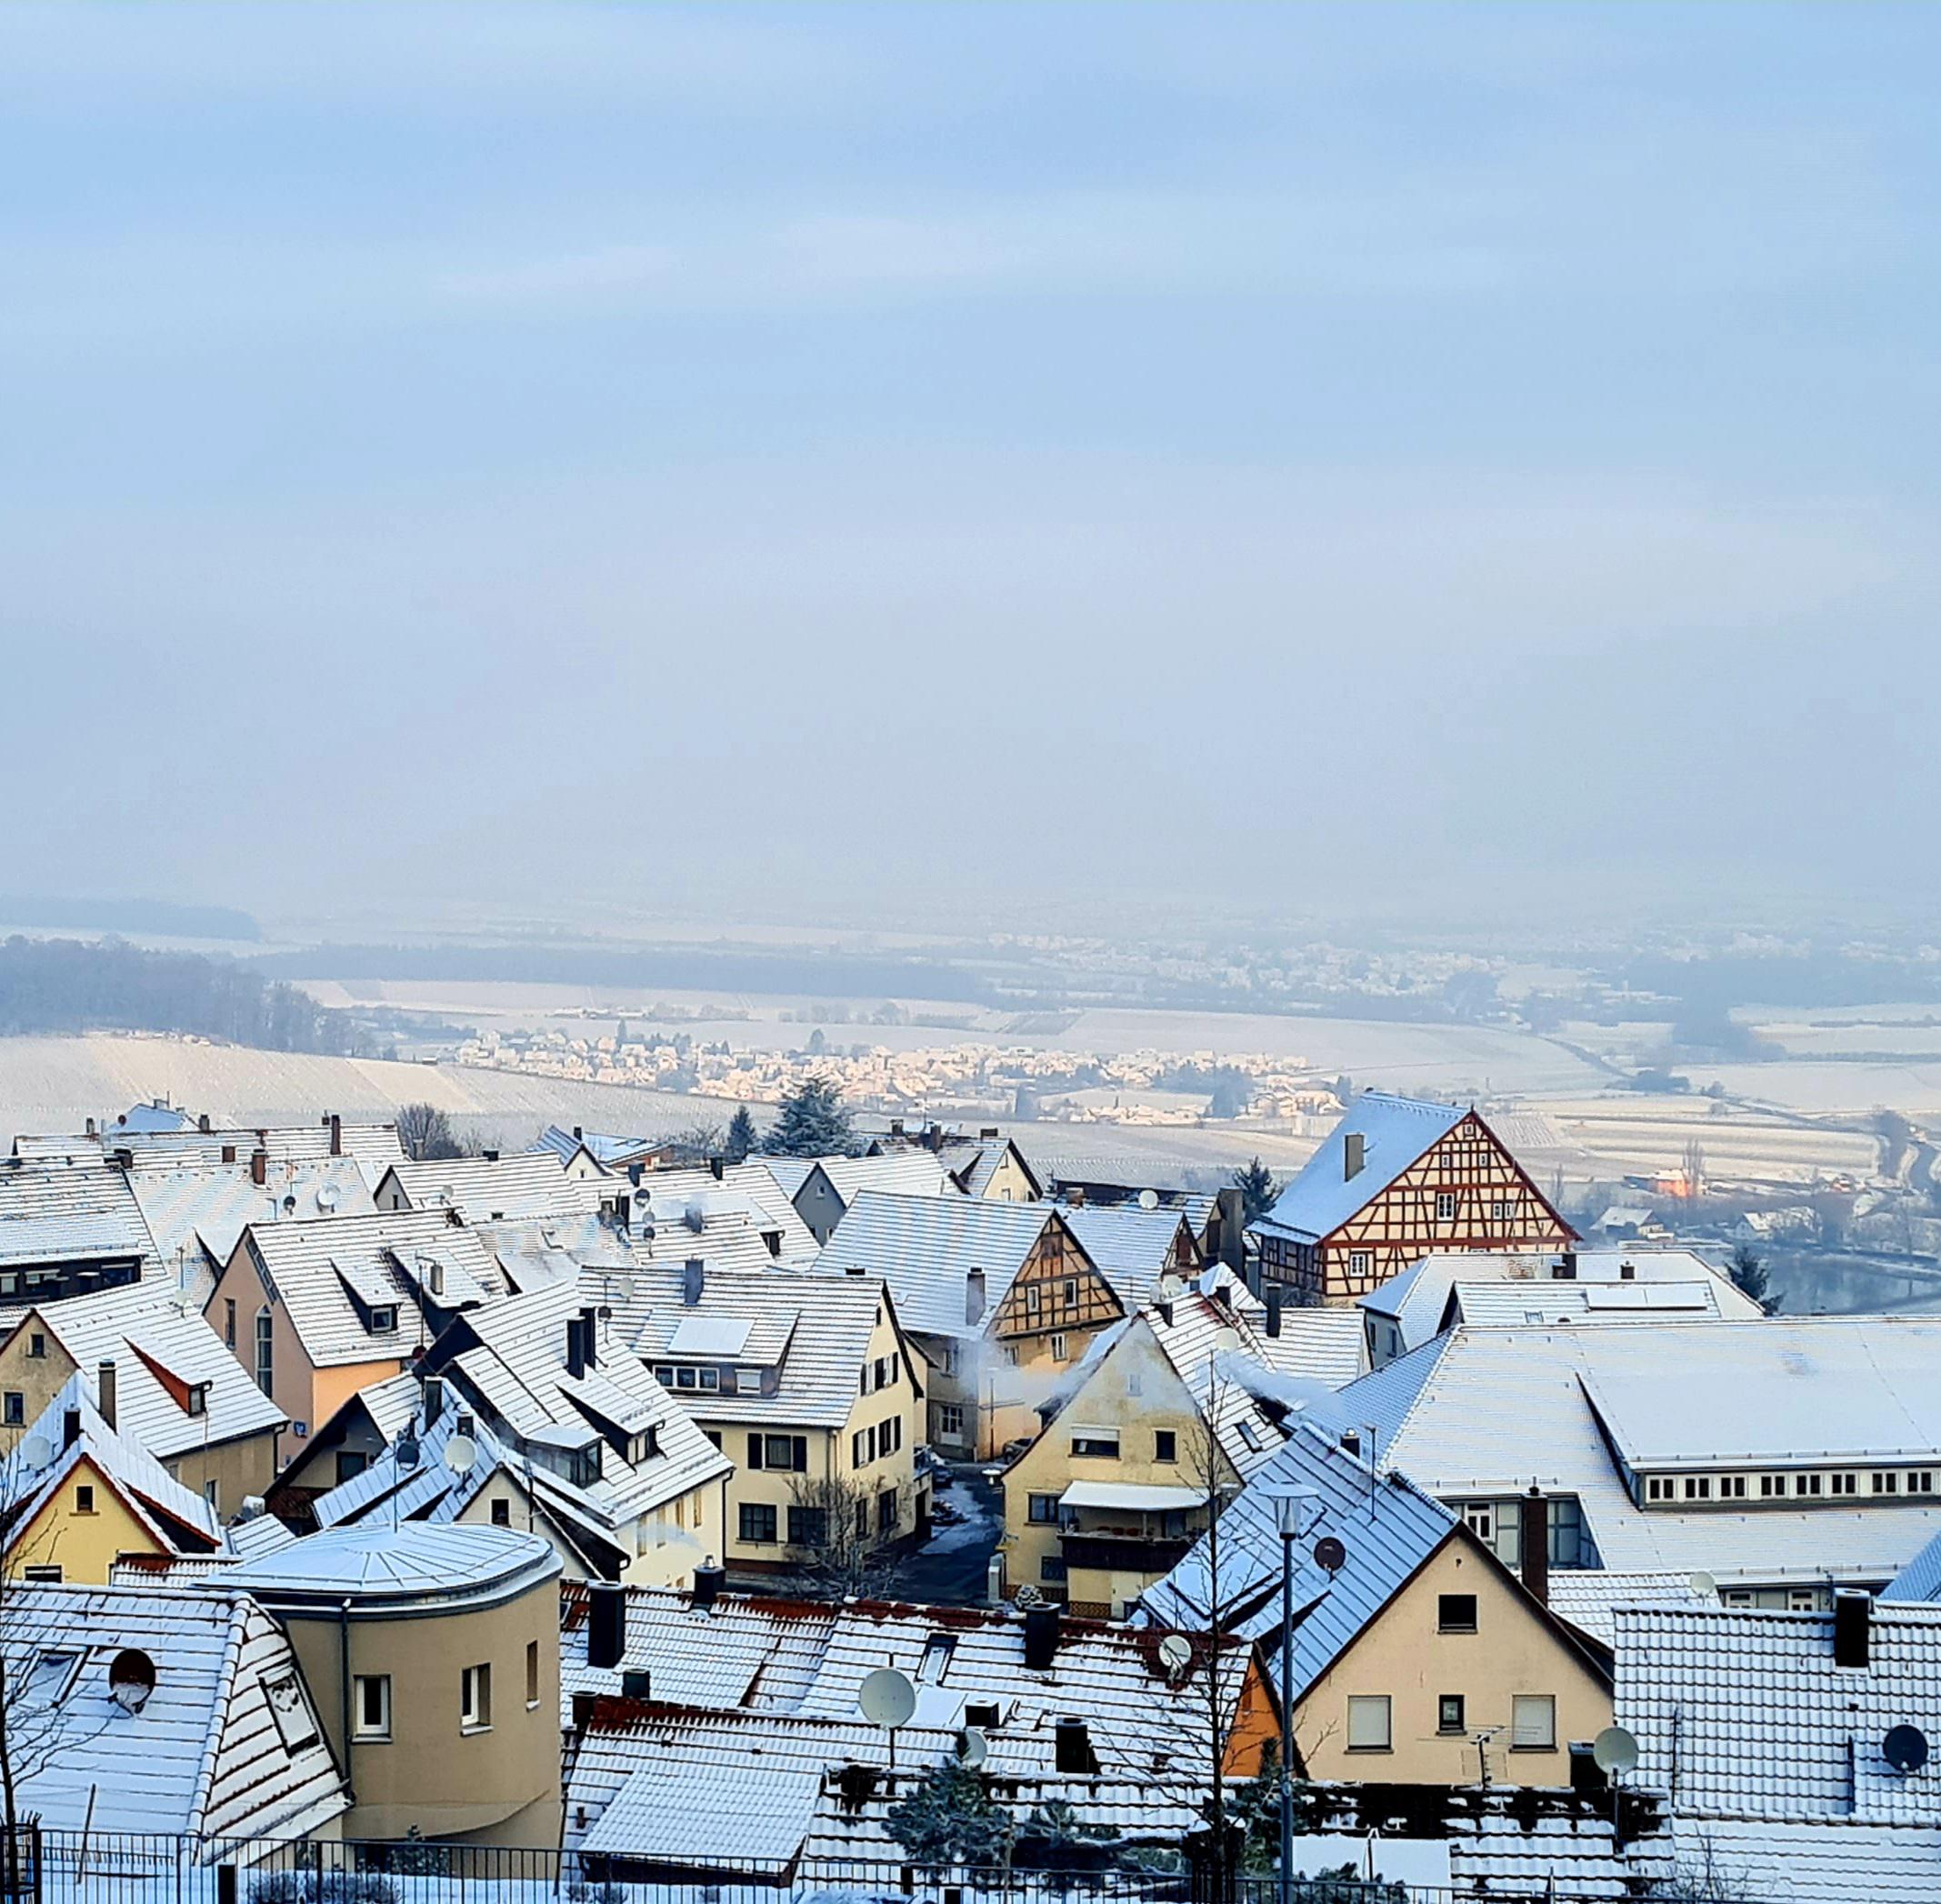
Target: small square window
(16,1408)
(383,1318)
(1445,1205)
(502,1514)
(1456,1613)
(1043,1510)
(1368,1724)
(1165,1445)
(85,1498)
(1449,1713)
(37,1347)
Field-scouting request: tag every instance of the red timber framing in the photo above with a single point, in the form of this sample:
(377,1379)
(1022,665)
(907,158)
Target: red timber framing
(1464,1192)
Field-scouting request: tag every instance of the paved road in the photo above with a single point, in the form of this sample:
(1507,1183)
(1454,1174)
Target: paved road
(953,1569)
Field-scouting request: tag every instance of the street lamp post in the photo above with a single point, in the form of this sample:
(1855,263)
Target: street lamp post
(1290,1510)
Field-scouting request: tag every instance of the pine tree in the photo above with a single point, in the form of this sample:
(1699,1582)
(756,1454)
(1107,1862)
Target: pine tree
(1749,1276)
(1055,1838)
(1258,1191)
(742,1137)
(951,1819)
(812,1122)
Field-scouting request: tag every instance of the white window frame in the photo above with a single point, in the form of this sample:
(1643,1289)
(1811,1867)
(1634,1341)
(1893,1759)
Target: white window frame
(474,1698)
(1360,1261)
(1445,1205)
(363,1730)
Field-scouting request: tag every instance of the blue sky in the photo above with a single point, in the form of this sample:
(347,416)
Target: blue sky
(1297,455)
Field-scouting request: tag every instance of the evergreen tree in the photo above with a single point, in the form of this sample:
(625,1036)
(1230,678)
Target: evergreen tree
(1749,1275)
(812,1122)
(742,1137)
(1258,1191)
(1055,1838)
(951,1819)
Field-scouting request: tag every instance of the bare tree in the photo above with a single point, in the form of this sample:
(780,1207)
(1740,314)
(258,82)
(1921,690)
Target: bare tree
(834,1533)
(1694,1167)
(424,1133)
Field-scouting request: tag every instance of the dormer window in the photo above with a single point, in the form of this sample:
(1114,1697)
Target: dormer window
(384,1318)
(197,1402)
(582,1467)
(643,1447)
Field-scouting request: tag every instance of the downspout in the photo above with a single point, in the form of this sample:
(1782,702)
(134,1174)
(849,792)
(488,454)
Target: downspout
(344,1694)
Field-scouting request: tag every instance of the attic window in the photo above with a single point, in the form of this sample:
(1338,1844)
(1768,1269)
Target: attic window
(37,1347)
(384,1318)
(290,1708)
(197,1401)
(937,1650)
(49,1679)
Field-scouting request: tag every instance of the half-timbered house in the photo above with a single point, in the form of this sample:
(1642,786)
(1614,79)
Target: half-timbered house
(1396,1179)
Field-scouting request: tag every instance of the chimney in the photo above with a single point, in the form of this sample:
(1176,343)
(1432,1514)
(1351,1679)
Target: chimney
(577,1134)
(106,1397)
(259,1167)
(988,1131)
(590,1337)
(708,1578)
(1351,1442)
(1853,1614)
(716,1166)
(1075,1197)
(973,1296)
(70,1426)
(1565,1269)
(633,1174)
(229,1153)
(637,1683)
(623,1213)
(694,1274)
(606,1624)
(1354,1154)
(434,1401)
(1073,1747)
(575,1348)
(583,1710)
(126,1159)
(1533,1530)
(896,1126)
(1164,1305)
(202,1124)
(1232,1247)
(90,1127)
(1041,1638)
(1627,1272)
(1274,1309)
(491,1157)
(337,1135)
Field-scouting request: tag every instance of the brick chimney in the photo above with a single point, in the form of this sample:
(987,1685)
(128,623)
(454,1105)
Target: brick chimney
(1534,1512)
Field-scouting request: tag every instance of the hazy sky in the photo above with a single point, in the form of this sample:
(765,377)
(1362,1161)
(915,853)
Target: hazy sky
(503,454)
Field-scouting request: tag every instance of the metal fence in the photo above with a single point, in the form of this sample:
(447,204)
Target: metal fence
(119,1868)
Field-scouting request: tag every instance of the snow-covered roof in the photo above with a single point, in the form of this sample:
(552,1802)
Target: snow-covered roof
(1920,1580)
(1745,1715)
(227,1744)
(1130,1246)
(925,1247)
(1394,1132)
(192,1208)
(377,1565)
(1492,1411)
(164,1360)
(57,1212)
(496,1189)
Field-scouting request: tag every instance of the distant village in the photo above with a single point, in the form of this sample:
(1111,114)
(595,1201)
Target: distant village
(835,1514)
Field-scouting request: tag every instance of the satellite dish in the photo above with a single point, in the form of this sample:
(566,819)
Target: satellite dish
(131,1679)
(1905,1749)
(973,1747)
(326,1197)
(407,1452)
(1704,1585)
(1615,1751)
(1330,1555)
(886,1698)
(1176,1653)
(460,1452)
(37,1451)
(1148,1200)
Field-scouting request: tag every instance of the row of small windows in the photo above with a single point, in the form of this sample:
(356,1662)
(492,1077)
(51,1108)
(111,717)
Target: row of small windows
(371,1699)
(1371,1721)
(1844,1484)
(870,1444)
(759,1521)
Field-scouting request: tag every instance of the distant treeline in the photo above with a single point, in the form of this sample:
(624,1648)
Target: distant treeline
(805,974)
(157,917)
(64,985)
